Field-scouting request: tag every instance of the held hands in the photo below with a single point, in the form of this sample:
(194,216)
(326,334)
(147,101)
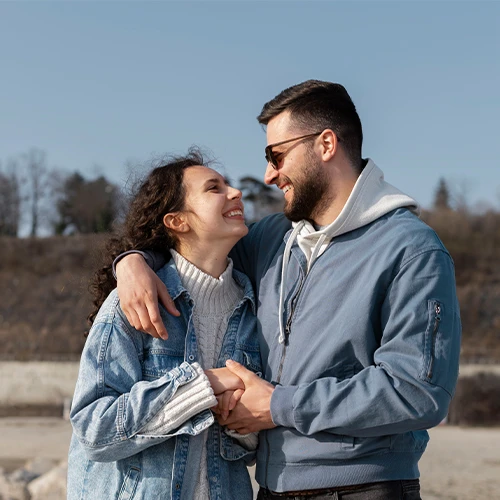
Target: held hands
(252,411)
(139,290)
(227,388)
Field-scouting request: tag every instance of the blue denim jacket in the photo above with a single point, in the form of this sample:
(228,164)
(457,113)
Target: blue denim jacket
(126,377)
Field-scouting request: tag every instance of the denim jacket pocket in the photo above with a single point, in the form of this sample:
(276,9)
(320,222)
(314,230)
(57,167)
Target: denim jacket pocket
(159,361)
(231,450)
(129,485)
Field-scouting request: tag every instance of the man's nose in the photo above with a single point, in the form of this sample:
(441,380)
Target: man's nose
(271,174)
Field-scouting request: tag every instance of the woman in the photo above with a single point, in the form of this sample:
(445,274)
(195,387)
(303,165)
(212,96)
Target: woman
(142,427)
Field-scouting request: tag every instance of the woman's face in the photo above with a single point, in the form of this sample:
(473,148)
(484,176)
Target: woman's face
(213,209)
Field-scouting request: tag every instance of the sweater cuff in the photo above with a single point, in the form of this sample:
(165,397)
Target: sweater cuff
(282,410)
(248,441)
(189,400)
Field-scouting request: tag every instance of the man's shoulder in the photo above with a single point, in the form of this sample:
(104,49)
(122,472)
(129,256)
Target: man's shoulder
(267,234)
(273,226)
(406,230)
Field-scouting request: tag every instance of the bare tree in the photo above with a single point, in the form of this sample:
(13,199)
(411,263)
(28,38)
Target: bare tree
(10,200)
(37,186)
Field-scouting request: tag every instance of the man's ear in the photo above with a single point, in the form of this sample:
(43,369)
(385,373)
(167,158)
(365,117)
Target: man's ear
(176,222)
(329,144)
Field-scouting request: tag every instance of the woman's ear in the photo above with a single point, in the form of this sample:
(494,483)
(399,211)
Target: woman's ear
(175,222)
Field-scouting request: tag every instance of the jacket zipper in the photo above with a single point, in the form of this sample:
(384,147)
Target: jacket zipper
(267,461)
(437,320)
(288,328)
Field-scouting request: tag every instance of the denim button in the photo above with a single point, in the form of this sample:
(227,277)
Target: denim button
(191,357)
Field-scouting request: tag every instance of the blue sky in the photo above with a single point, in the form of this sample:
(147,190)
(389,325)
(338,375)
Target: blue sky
(100,84)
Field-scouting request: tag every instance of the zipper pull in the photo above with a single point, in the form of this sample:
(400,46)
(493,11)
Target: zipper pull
(287,334)
(437,312)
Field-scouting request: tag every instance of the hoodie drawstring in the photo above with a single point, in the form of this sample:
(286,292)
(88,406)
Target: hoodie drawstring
(284,266)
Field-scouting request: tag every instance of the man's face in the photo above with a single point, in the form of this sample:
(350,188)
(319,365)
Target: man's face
(299,175)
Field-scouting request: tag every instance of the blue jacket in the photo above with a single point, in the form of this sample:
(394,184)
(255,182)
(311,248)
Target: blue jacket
(126,377)
(369,358)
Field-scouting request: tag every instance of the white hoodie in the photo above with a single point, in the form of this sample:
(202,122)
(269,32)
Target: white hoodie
(371,198)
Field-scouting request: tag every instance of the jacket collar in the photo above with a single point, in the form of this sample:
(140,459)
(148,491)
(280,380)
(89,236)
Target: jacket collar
(169,275)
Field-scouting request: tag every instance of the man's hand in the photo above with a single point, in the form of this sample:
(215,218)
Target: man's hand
(139,290)
(253,411)
(223,379)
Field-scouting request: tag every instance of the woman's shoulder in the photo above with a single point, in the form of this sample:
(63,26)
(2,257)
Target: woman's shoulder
(111,317)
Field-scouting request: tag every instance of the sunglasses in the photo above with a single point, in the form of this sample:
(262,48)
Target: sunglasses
(274,158)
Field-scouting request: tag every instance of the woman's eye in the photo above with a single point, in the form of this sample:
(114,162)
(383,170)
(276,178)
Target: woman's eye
(211,188)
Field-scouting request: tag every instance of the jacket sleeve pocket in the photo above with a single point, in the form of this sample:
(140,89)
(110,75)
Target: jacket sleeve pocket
(439,347)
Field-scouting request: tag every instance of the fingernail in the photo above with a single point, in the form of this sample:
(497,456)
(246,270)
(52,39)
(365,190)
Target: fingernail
(229,362)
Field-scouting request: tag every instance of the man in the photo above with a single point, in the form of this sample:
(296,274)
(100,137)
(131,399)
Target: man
(358,318)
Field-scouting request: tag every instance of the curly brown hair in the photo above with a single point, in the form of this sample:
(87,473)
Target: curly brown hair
(161,192)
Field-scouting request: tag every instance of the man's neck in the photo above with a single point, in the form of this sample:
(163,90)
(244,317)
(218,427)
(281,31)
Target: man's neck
(336,204)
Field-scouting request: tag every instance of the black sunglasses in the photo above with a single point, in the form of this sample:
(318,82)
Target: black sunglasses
(273,158)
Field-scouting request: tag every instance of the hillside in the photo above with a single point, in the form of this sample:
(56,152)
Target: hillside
(44,300)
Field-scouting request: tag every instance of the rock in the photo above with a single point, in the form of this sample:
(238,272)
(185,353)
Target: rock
(22,476)
(40,465)
(32,469)
(12,489)
(50,486)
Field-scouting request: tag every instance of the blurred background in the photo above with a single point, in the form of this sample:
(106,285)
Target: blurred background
(92,93)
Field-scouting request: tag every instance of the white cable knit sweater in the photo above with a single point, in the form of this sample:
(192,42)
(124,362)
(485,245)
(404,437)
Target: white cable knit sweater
(214,301)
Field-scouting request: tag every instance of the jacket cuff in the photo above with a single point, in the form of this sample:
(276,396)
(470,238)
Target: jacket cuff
(282,411)
(146,255)
(189,400)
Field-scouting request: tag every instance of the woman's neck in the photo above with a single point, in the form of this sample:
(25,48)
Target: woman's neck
(211,261)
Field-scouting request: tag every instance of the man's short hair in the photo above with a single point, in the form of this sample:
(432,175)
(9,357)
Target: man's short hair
(315,106)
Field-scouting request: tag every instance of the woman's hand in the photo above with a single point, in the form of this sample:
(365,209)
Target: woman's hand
(139,290)
(226,402)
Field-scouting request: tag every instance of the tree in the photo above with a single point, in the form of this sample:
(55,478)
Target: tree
(260,199)
(87,206)
(10,200)
(37,185)
(442,196)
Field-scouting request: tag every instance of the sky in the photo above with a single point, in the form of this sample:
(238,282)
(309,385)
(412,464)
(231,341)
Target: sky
(102,85)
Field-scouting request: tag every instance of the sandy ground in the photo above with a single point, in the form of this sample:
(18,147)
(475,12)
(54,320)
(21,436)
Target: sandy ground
(460,464)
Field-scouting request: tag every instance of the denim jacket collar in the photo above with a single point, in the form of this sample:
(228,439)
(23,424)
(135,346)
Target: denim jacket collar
(169,275)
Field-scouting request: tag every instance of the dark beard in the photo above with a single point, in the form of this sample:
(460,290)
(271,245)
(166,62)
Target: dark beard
(308,195)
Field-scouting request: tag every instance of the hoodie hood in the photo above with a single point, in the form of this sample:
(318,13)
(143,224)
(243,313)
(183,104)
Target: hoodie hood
(371,198)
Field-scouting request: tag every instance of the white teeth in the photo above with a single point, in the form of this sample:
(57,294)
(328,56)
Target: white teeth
(286,188)
(234,213)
